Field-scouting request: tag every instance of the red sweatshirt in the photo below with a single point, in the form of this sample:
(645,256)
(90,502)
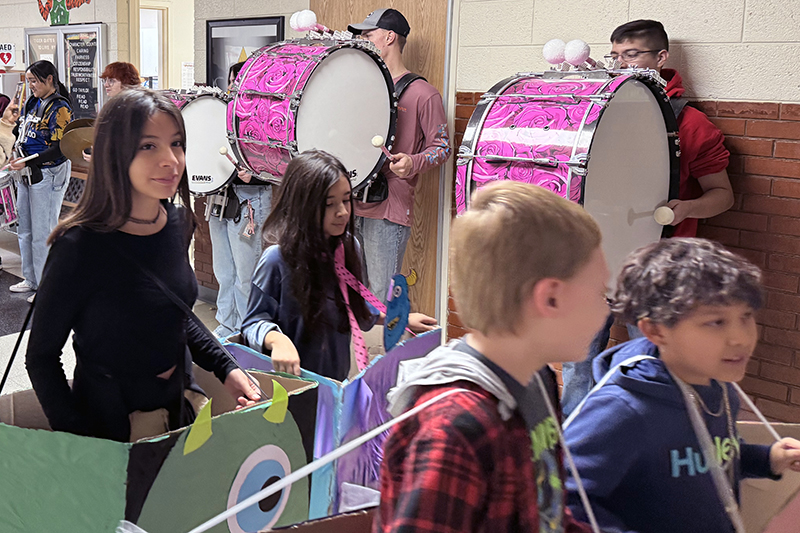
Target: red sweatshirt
(702,151)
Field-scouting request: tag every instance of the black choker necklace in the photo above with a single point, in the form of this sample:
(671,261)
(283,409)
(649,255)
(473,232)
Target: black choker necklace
(141,221)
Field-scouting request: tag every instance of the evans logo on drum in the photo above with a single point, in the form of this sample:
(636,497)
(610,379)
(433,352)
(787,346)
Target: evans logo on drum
(204,179)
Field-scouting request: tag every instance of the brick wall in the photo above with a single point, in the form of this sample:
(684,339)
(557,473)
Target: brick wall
(763,225)
(203,268)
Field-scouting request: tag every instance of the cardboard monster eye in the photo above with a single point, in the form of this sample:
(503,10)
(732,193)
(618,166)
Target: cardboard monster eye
(244,454)
(265,466)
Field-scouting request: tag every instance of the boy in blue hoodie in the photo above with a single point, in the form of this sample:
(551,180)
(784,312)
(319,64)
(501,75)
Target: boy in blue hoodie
(635,446)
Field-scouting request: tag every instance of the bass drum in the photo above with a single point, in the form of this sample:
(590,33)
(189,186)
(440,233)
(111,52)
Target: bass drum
(300,95)
(204,118)
(606,140)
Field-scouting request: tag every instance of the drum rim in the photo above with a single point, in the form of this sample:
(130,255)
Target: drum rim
(222,98)
(478,117)
(332,46)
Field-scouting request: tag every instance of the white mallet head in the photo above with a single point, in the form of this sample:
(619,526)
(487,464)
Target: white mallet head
(664,215)
(576,52)
(306,20)
(223,151)
(377,141)
(553,51)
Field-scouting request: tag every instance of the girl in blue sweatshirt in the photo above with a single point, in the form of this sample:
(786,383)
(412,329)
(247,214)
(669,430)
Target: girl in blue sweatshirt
(296,311)
(635,447)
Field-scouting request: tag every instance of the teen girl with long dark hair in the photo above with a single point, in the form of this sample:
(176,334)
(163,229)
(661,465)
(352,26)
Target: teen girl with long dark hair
(297,311)
(130,339)
(43,180)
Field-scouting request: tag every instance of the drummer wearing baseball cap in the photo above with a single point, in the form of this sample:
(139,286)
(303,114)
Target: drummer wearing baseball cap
(383,221)
(385,19)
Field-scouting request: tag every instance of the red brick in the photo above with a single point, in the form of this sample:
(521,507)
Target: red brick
(770,242)
(778,411)
(748,146)
(709,107)
(762,110)
(757,258)
(780,373)
(787,149)
(786,168)
(451,304)
(770,205)
(465,98)
(783,302)
(782,337)
(202,257)
(784,225)
(795,395)
(777,319)
(736,164)
(784,263)
(464,111)
(772,129)
(753,366)
(775,354)
(739,220)
(454,320)
(790,112)
(455,333)
(726,236)
(787,188)
(750,184)
(768,389)
(461,125)
(204,276)
(730,126)
(784,282)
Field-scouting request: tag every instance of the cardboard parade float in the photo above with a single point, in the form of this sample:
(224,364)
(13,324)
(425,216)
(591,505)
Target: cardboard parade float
(172,482)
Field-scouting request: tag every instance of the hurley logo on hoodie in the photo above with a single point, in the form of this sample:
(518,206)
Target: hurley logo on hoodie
(690,462)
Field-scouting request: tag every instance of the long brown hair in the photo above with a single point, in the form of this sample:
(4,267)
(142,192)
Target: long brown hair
(106,202)
(296,225)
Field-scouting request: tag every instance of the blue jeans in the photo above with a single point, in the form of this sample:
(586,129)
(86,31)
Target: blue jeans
(38,208)
(384,245)
(234,257)
(578,377)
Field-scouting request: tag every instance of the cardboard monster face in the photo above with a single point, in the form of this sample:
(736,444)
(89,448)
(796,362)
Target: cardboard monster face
(57,481)
(244,454)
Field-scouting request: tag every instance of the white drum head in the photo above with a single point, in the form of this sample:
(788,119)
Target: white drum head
(344,105)
(206,133)
(628,173)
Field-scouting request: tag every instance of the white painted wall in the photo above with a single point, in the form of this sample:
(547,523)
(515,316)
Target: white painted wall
(725,49)
(205,10)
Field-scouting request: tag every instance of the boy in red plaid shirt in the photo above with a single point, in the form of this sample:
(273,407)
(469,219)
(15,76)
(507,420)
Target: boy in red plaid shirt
(528,278)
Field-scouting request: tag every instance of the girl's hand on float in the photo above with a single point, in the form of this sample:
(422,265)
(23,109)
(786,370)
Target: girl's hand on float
(419,323)
(242,388)
(284,354)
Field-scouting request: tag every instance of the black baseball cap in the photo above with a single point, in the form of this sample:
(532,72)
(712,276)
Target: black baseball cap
(386,19)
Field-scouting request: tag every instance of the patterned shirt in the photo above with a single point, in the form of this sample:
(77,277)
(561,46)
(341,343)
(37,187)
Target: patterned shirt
(39,134)
(458,467)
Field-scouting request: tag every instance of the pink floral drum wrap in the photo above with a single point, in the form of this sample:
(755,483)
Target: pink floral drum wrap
(532,117)
(263,124)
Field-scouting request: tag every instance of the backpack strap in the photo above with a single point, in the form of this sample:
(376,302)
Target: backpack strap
(403,83)
(677,105)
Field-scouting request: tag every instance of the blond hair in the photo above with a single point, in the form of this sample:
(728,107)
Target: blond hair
(514,235)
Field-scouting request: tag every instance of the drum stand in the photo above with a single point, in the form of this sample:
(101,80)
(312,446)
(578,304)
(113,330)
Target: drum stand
(216,204)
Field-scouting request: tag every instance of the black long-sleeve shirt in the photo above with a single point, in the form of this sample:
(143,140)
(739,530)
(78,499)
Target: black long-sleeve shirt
(127,331)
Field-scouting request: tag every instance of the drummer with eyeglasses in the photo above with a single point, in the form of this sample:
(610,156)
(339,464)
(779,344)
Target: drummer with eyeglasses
(705,190)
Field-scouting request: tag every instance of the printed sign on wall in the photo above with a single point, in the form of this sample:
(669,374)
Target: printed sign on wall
(8,55)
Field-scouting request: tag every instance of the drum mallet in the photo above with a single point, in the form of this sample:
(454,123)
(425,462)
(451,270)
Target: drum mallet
(377,142)
(664,215)
(34,156)
(224,151)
